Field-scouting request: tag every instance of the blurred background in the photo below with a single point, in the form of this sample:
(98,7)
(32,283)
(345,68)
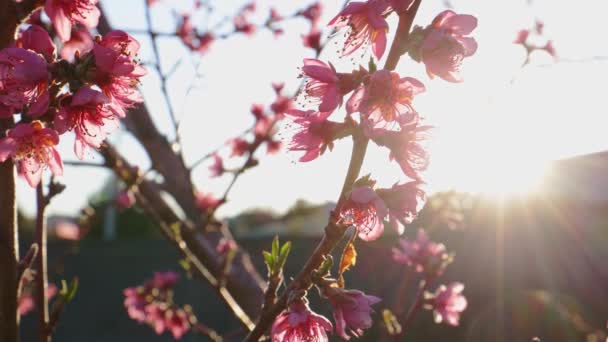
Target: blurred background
(518,182)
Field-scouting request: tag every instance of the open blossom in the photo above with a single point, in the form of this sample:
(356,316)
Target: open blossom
(404,201)
(313,133)
(32,147)
(321,84)
(364,24)
(385,101)
(352,311)
(366,211)
(447,303)
(422,254)
(81,41)
(23,82)
(299,324)
(407,148)
(37,39)
(118,72)
(89,115)
(65,13)
(445,45)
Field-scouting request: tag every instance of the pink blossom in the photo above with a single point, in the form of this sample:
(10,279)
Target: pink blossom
(299,324)
(118,72)
(65,13)
(312,39)
(447,303)
(225,245)
(386,100)
(257,110)
(273,146)
(205,201)
(81,41)
(404,201)
(135,303)
(37,39)
(422,254)
(163,280)
(321,85)
(352,311)
(522,37)
(23,82)
(407,148)
(445,45)
(366,211)
(281,105)
(312,13)
(313,133)
(550,49)
(217,168)
(115,53)
(177,322)
(89,115)
(125,199)
(204,42)
(364,24)
(239,147)
(32,147)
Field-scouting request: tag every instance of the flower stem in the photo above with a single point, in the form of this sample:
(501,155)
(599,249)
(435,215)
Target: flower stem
(398,48)
(413,309)
(333,234)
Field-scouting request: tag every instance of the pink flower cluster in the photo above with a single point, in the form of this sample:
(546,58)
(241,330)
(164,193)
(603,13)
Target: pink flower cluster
(101,78)
(152,304)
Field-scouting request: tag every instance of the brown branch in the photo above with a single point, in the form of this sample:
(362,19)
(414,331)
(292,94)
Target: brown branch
(416,306)
(399,46)
(42,302)
(11,15)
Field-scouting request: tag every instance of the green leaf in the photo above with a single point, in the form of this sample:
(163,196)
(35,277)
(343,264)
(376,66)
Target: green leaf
(284,253)
(275,246)
(269,260)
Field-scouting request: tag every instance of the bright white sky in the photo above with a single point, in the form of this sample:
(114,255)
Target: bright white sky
(492,136)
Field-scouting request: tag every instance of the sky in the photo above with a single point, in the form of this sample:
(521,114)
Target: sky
(495,132)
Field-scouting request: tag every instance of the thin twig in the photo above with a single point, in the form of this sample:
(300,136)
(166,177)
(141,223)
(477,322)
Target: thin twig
(42,302)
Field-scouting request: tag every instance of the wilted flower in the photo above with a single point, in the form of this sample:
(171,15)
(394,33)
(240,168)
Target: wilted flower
(447,303)
(32,147)
(299,324)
